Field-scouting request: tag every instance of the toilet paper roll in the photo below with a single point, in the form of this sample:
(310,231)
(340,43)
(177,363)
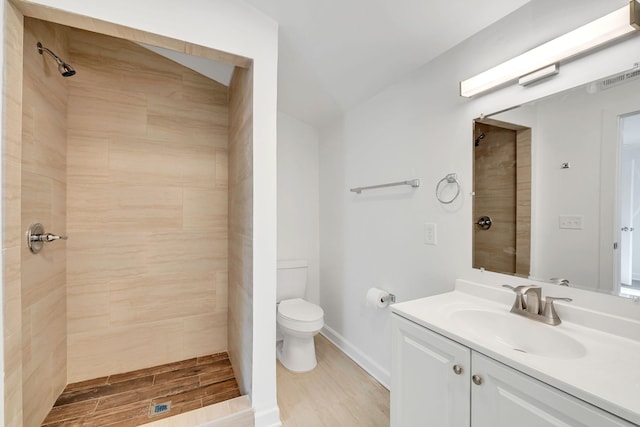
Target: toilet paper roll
(378,298)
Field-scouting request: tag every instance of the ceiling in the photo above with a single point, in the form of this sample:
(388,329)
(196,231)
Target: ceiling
(215,70)
(335,54)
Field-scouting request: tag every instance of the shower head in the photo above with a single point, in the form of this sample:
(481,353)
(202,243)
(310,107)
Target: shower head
(480,137)
(65,69)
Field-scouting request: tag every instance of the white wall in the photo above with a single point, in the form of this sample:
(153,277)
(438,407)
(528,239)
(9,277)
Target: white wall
(421,128)
(237,28)
(298,197)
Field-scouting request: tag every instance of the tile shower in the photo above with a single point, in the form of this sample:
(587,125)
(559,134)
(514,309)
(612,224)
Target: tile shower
(129,158)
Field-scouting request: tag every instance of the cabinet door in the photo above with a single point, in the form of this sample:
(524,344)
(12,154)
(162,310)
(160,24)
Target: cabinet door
(507,398)
(425,390)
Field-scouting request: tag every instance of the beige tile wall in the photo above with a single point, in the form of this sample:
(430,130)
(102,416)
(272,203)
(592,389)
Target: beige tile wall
(12,233)
(523,203)
(147,209)
(43,276)
(502,185)
(495,196)
(241,226)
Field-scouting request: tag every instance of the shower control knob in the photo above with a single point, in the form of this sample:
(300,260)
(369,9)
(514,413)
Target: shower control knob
(36,237)
(457,369)
(484,222)
(51,237)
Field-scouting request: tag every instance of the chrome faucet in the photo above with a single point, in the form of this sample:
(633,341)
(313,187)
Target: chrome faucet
(528,303)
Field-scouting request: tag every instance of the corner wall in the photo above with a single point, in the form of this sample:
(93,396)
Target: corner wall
(44,197)
(12,240)
(241,226)
(298,198)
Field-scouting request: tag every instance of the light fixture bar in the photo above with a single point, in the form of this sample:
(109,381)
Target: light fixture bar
(596,33)
(538,75)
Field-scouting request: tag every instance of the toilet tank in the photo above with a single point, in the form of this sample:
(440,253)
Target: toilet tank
(292,279)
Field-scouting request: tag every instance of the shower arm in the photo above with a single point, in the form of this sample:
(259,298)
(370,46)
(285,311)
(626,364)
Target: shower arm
(63,68)
(53,55)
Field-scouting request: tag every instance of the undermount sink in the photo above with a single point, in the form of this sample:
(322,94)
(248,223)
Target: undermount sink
(519,333)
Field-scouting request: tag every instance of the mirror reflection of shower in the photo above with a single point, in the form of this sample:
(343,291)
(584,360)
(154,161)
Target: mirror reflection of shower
(65,69)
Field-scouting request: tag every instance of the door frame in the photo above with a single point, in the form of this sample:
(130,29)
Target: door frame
(610,166)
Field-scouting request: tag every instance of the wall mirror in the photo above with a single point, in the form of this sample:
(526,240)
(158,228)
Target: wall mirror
(557,188)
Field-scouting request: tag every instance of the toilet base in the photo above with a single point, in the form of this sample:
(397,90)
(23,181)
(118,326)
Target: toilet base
(297,354)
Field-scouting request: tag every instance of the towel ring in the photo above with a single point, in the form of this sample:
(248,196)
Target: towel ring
(451,178)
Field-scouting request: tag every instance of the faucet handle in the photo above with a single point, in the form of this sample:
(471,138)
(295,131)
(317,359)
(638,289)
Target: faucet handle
(519,304)
(550,311)
(559,281)
(522,289)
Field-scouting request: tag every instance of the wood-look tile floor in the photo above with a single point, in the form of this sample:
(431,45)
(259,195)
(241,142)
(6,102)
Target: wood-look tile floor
(126,399)
(336,393)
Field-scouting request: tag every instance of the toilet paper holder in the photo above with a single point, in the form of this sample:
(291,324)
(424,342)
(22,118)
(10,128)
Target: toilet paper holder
(391,298)
(379,298)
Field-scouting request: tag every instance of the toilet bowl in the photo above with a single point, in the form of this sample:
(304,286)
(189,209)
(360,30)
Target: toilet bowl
(298,321)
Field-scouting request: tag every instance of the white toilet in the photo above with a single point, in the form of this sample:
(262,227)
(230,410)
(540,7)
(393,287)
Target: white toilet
(297,320)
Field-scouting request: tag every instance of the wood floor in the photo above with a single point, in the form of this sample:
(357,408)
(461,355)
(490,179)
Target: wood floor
(128,399)
(336,393)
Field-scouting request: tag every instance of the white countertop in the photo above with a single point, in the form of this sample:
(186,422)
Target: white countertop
(607,375)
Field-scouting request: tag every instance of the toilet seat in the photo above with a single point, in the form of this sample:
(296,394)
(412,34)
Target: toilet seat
(299,309)
(299,315)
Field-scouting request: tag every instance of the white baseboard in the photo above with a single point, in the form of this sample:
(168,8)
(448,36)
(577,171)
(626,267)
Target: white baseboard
(376,371)
(269,417)
(635,276)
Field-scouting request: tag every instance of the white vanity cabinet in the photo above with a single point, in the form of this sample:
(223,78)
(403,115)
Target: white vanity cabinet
(427,391)
(506,397)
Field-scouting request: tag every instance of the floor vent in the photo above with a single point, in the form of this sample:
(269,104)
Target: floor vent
(159,408)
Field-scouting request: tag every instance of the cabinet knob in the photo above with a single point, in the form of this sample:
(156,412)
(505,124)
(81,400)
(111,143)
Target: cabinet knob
(477,379)
(457,369)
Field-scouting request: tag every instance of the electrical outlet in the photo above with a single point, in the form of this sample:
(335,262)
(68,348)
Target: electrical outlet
(430,233)
(571,222)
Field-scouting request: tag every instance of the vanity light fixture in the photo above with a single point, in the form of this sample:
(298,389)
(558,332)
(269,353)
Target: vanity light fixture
(596,33)
(538,75)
